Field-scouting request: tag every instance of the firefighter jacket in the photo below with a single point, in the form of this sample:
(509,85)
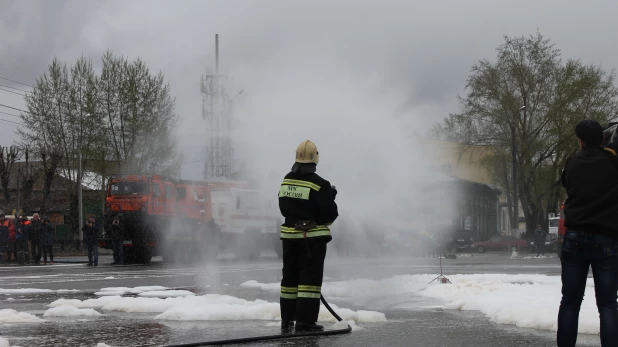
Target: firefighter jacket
(7,231)
(305,196)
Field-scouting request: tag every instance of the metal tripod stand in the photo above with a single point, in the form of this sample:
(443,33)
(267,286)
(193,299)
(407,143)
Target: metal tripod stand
(441,277)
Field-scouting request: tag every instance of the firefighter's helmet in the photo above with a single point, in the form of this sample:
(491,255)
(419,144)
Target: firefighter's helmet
(307,152)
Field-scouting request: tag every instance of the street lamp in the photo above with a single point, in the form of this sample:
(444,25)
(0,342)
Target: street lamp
(79,184)
(514,174)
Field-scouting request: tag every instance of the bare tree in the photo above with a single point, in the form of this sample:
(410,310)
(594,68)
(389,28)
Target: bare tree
(8,157)
(51,160)
(29,175)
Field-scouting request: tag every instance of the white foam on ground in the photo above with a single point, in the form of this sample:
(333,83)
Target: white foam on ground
(9,315)
(119,293)
(166,293)
(70,311)
(359,288)
(114,291)
(526,300)
(208,307)
(101,344)
(4,342)
(88,303)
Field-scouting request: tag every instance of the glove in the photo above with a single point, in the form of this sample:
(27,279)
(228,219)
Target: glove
(334,191)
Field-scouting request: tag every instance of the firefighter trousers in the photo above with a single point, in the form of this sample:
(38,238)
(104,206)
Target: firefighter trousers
(303,268)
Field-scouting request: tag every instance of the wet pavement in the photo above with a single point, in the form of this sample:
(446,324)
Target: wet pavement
(420,323)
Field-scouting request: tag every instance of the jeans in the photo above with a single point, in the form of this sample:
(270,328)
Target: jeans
(118,251)
(579,252)
(49,249)
(35,248)
(22,251)
(93,253)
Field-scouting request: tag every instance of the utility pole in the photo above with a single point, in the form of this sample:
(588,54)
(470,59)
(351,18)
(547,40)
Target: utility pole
(19,175)
(79,190)
(514,174)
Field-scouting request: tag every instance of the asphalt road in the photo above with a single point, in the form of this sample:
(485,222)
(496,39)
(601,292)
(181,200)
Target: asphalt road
(416,325)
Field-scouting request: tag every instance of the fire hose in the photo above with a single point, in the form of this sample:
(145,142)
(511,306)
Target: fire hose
(274,337)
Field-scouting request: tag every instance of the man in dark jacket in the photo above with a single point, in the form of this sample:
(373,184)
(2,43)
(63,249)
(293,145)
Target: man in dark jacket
(539,240)
(91,232)
(117,235)
(591,239)
(307,201)
(47,240)
(36,226)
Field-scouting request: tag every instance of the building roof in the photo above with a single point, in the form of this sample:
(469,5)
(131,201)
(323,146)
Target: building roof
(91,181)
(456,160)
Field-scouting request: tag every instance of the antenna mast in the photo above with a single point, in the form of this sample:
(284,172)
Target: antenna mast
(217,111)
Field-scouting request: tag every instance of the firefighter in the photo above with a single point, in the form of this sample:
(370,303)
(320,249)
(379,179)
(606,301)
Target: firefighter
(307,202)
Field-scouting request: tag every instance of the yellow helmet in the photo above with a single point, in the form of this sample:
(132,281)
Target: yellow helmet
(307,152)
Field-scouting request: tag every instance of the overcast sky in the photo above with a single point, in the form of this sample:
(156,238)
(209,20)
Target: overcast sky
(351,71)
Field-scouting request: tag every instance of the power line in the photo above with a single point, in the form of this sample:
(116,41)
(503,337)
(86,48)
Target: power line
(10,114)
(16,109)
(21,90)
(9,121)
(10,91)
(8,79)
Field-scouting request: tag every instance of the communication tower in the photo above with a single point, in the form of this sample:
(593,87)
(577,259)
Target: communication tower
(217,111)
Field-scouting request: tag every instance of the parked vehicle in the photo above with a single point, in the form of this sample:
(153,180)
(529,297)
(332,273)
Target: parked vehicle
(462,240)
(185,220)
(500,243)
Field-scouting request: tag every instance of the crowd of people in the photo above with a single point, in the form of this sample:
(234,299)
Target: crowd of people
(23,241)
(27,241)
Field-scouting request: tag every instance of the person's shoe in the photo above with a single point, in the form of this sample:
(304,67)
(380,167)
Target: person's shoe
(287,325)
(89,264)
(308,327)
(96,264)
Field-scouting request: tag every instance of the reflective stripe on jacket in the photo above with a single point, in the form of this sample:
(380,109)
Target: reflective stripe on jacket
(291,233)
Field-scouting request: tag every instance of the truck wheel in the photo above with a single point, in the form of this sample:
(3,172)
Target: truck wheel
(143,255)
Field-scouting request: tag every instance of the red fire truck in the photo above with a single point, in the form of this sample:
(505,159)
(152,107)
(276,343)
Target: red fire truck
(186,221)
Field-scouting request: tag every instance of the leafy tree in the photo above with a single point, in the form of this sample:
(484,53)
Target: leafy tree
(530,72)
(123,117)
(138,116)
